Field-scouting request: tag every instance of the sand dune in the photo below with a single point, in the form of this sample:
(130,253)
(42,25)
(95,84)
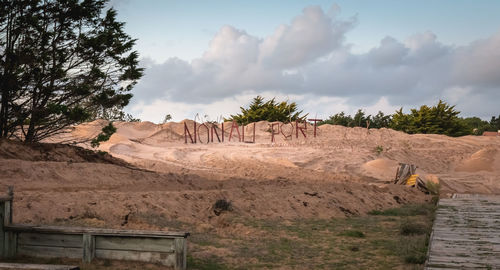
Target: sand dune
(336,152)
(151,169)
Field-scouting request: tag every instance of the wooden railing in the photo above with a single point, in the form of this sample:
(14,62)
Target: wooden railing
(166,248)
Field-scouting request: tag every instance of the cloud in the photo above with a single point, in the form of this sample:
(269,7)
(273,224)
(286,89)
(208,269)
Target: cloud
(311,35)
(236,61)
(479,63)
(309,59)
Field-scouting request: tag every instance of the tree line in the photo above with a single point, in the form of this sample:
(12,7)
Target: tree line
(441,118)
(438,119)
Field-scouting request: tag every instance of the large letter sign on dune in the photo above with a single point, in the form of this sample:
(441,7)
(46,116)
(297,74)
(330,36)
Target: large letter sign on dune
(275,129)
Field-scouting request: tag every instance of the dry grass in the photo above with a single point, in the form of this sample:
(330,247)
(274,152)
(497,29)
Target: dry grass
(385,241)
(394,238)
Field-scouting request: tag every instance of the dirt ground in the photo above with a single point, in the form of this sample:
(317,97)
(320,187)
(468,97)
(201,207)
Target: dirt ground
(150,179)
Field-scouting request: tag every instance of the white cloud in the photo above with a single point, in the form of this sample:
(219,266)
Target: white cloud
(309,60)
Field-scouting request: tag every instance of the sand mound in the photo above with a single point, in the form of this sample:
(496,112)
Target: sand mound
(53,152)
(482,160)
(88,130)
(431,178)
(381,169)
(60,183)
(354,154)
(165,135)
(135,130)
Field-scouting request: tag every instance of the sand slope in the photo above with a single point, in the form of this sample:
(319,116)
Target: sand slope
(153,174)
(469,163)
(68,185)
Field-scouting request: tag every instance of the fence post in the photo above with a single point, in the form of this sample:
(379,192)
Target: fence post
(8,240)
(88,248)
(2,231)
(180,247)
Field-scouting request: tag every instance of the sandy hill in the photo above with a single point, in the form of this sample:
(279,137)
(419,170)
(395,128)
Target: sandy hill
(465,164)
(151,174)
(68,185)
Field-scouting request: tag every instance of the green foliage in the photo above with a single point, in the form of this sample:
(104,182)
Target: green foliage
(439,119)
(379,149)
(380,120)
(476,125)
(494,123)
(360,119)
(113,114)
(433,187)
(269,110)
(416,258)
(339,119)
(167,118)
(130,118)
(62,63)
(412,228)
(105,134)
(353,233)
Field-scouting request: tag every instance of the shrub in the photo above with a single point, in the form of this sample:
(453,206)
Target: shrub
(222,205)
(410,228)
(269,110)
(353,233)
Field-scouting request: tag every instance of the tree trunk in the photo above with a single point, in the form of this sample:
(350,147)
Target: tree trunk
(4,108)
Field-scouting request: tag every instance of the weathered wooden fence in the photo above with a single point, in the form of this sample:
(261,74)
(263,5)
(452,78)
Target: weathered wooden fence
(167,248)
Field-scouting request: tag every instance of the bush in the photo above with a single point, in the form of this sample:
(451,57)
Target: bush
(410,228)
(222,205)
(433,187)
(439,119)
(415,258)
(268,110)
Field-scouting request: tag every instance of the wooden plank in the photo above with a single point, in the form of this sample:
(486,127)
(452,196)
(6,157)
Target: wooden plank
(135,244)
(10,244)
(466,233)
(167,259)
(7,213)
(37,266)
(50,252)
(88,248)
(49,239)
(4,198)
(93,231)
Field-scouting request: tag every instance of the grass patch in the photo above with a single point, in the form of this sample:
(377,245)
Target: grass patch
(391,239)
(353,233)
(212,263)
(363,242)
(411,228)
(433,187)
(406,210)
(97,264)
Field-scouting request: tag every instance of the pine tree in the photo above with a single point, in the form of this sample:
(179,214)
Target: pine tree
(269,110)
(61,62)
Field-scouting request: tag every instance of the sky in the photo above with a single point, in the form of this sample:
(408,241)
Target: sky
(211,57)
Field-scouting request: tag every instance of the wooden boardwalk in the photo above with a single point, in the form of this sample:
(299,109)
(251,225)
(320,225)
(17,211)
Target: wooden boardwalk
(466,233)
